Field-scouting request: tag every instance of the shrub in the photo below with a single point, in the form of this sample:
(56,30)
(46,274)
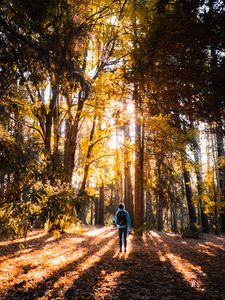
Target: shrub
(59,209)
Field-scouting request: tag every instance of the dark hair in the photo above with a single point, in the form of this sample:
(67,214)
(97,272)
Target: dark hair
(121,206)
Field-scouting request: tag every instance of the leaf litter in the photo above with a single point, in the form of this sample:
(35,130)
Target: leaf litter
(88,265)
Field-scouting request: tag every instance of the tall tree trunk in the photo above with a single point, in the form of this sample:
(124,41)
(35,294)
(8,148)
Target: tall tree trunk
(219,136)
(189,196)
(72,129)
(55,156)
(182,212)
(97,204)
(128,195)
(150,218)
(92,212)
(139,163)
(91,144)
(159,212)
(89,152)
(49,117)
(117,186)
(198,172)
(72,126)
(139,151)
(221,173)
(19,140)
(56,126)
(173,215)
(159,198)
(216,187)
(101,203)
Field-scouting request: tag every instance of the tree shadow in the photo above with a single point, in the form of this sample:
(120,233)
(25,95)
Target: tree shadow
(208,269)
(138,275)
(103,273)
(18,291)
(34,242)
(15,249)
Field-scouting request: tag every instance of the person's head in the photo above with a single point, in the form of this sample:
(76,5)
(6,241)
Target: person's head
(121,206)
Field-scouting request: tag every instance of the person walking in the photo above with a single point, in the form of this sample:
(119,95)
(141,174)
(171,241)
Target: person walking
(122,219)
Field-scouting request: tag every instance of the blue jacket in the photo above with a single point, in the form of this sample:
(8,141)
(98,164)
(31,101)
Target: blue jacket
(128,219)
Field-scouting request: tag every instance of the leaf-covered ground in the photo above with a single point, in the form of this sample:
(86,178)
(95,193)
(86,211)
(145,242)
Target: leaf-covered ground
(87,265)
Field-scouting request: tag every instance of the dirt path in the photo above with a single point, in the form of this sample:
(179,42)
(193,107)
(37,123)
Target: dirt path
(88,266)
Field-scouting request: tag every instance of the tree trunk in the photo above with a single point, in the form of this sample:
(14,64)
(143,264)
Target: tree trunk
(219,139)
(203,217)
(159,199)
(216,187)
(101,203)
(221,173)
(72,128)
(55,157)
(182,213)
(56,126)
(128,195)
(48,121)
(173,216)
(159,212)
(139,162)
(92,212)
(189,195)
(89,152)
(97,211)
(150,218)
(81,191)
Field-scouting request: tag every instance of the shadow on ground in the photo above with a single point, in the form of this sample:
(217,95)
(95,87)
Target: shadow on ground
(152,269)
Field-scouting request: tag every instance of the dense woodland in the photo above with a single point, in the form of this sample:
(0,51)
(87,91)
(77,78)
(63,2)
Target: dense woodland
(104,102)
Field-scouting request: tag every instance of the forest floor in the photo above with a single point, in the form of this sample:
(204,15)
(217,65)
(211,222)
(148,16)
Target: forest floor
(87,265)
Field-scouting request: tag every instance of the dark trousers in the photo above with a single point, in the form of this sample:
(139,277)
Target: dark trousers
(123,236)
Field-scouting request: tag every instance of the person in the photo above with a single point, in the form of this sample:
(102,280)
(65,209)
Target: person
(122,220)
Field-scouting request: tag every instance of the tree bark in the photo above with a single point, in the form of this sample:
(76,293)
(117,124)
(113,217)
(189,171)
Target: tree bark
(101,203)
(72,128)
(139,163)
(150,218)
(189,196)
(198,172)
(173,216)
(89,152)
(92,212)
(128,195)
(221,173)
(219,136)
(97,211)
(49,118)
(56,163)
(216,187)
(159,198)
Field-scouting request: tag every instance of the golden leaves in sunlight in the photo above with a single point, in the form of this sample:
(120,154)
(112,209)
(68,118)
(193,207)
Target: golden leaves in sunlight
(4,135)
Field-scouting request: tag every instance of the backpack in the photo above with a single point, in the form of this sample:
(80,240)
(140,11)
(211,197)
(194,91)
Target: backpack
(121,218)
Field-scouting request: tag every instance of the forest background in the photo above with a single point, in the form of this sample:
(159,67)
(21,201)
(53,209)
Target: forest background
(105,102)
